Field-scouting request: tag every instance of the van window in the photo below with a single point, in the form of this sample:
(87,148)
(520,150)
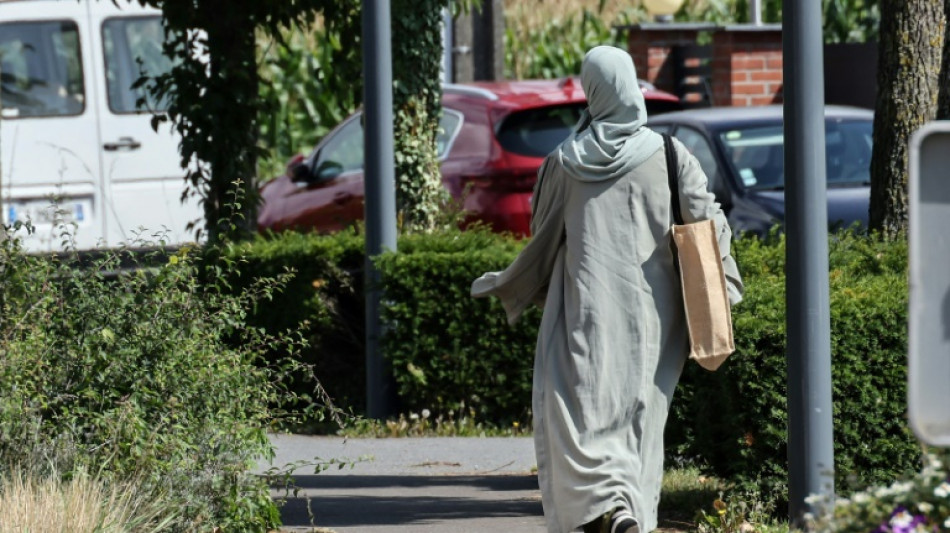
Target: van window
(40,69)
(133,48)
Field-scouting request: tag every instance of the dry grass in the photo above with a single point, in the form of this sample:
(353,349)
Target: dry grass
(81,505)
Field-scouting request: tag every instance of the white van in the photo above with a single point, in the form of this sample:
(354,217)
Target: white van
(76,151)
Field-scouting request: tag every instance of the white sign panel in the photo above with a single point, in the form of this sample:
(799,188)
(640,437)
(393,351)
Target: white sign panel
(929,313)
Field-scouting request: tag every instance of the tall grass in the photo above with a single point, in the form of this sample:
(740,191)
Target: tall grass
(82,504)
(549,39)
(297,82)
(535,14)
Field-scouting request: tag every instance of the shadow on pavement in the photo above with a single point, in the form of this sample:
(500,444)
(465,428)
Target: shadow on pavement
(352,501)
(493,483)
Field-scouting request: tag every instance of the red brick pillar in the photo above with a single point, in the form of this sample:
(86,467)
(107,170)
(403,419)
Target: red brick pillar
(651,44)
(747,65)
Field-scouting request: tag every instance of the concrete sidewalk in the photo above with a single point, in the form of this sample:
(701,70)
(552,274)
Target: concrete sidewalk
(411,484)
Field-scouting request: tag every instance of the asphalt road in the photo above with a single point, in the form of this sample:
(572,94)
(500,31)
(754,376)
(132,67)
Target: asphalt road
(463,485)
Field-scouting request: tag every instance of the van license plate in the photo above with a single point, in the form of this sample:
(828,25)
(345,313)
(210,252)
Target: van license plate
(44,212)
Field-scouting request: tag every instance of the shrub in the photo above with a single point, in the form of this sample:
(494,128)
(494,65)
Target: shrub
(323,302)
(450,353)
(128,375)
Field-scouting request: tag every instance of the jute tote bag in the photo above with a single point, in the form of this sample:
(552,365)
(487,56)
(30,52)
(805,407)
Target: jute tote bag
(708,314)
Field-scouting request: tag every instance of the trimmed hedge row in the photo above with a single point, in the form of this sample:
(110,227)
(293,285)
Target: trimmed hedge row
(735,420)
(450,352)
(323,301)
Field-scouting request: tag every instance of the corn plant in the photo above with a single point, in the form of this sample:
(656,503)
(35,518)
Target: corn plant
(298,85)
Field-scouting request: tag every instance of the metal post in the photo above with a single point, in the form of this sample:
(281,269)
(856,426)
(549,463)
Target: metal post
(380,202)
(448,25)
(755,12)
(810,436)
(488,40)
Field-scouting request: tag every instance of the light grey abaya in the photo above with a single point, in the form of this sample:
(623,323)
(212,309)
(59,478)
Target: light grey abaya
(612,341)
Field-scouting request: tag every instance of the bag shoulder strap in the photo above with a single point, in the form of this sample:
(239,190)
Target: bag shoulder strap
(671,168)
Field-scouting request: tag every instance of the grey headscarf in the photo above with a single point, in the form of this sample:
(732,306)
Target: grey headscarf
(615,141)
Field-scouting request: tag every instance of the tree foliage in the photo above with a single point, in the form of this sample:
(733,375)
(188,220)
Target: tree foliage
(844,21)
(213,93)
(214,103)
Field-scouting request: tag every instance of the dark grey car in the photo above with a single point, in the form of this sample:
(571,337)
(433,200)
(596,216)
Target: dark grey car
(741,149)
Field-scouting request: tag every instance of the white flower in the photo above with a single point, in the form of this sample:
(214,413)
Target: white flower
(413,416)
(902,519)
(897,489)
(925,507)
(426,413)
(861,497)
(942,490)
(946,523)
(904,487)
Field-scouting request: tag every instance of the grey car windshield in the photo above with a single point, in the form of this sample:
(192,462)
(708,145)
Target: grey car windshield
(757,154)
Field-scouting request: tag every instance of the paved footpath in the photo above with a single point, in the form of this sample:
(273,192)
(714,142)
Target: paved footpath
(445,484)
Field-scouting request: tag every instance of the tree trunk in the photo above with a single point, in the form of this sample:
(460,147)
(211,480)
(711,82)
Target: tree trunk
(231,200)
(911,41)
(417,105)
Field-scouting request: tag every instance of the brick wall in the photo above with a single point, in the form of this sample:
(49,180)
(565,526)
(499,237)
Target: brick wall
(651,49)
(746,61)
(747,66)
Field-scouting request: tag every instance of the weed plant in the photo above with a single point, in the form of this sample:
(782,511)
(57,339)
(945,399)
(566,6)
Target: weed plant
(424,424)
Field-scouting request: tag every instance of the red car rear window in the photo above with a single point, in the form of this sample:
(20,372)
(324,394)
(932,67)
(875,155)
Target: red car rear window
(536,132)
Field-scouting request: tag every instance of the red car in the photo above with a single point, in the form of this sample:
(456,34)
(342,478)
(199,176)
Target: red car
(493,138)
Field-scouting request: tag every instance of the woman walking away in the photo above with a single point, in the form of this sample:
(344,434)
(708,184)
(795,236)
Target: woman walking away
(613,339)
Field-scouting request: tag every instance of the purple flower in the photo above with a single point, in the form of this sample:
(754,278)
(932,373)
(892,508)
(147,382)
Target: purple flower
(902,521)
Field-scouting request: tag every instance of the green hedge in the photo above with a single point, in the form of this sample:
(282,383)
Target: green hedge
(450,352)
(735,420)
(323,302)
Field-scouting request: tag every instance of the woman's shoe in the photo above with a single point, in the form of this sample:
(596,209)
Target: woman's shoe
(623,522)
